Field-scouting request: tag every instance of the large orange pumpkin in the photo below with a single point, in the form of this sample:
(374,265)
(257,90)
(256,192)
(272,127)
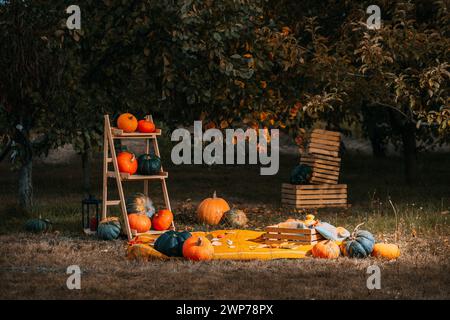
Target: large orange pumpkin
(146,126)
(211,210)
(139,222)
(127,122)
(386,250)
(198,248)
(162,220)
(127,162)
(326,249)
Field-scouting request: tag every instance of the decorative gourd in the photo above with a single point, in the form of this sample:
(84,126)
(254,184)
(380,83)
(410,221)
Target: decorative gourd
(386,250)
(127,122)
(326,249)
(171,243)
(301,174)
(235,218)
(162,220)
(139,222)
(109,228)
(38,225)
(140,203)
(211,210)
(198,248)
(127,162)
(149,165)
(360,244)
(146,126)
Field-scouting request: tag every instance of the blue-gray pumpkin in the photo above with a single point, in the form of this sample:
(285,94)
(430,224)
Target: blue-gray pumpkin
(38,225)
(149,165)
(109,229)
(360,245)
(171,243)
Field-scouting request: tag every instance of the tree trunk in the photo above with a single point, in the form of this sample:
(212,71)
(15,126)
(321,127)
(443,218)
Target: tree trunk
(26,186)
(86,160)
(410,152)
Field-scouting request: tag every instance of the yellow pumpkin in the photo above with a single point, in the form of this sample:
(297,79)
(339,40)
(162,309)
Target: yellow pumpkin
(211,210)
(386,250)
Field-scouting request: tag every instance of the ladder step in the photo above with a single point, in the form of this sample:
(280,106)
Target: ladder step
(109,160)
(120,134)
(128,177)
(112,202)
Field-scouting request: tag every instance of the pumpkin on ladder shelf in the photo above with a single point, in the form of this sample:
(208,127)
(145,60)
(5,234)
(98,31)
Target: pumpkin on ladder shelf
(148,165)
(162,220)
(139,222)
(127,162)
(127,122)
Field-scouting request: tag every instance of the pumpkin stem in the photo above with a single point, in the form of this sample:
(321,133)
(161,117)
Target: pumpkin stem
(199,241)
(214,194)
(356,229)
(133,158)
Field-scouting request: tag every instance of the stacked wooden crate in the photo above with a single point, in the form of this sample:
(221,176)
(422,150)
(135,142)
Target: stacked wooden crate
(322,155)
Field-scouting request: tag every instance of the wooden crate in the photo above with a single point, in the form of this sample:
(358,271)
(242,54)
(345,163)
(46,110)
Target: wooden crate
(276,234)
(314,196)
(323,142)
(325,169)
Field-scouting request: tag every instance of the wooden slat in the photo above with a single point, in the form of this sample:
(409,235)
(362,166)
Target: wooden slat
(312,186)
(325,142)
(119,134)
(128,177)
(279,236)
(330,173)
(320,181)
(109,160)
(313,192)
(325,137)
(275,229)
(322,151)
(333,161)
(316,145)
(327,132)
(317,165)
(290,205)
(112,202)
(321,201)
(314,196)
(271,241)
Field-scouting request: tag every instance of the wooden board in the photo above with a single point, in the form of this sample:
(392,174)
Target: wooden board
(314,144)
(327,132)
(317,135)
(276,229)
(313,150)
(313,186)
(276,234)
(119,134)
(128,177)
(314,196)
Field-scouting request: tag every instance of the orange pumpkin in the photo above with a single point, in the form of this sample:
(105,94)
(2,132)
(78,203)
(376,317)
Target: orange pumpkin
(127,122)
(139,222)
(127,162)
(326,249)
(386,250)
(211,210)
(198,248)
(146,126)
(162,220)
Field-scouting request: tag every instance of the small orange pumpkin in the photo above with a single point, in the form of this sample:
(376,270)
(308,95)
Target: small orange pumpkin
(326,249)
(139,222)
(146,126)
(198,248)
(127,162)
(211,210)
(386,250)
(162,220)
(127,122)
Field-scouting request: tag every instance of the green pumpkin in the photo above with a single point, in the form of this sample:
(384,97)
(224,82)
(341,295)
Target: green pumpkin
(235,218)
(171,243)
(149,165)
(360,244)
(140,203)
(38,225)
(301,174)
(109,229)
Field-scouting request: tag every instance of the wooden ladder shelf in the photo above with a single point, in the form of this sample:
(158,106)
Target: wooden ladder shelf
(110,157)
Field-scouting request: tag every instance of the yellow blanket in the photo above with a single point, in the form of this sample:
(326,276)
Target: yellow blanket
(235,245)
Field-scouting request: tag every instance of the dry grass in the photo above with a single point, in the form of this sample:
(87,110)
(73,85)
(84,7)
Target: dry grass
(34,266)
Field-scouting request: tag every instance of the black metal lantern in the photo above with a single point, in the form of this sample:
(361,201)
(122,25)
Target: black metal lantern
(90,206)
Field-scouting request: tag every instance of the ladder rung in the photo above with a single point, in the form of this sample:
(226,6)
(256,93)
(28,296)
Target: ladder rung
(108,159)
(112,202)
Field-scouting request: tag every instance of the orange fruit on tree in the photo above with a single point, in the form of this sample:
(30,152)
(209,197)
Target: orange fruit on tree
(127,122)
(162,220)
